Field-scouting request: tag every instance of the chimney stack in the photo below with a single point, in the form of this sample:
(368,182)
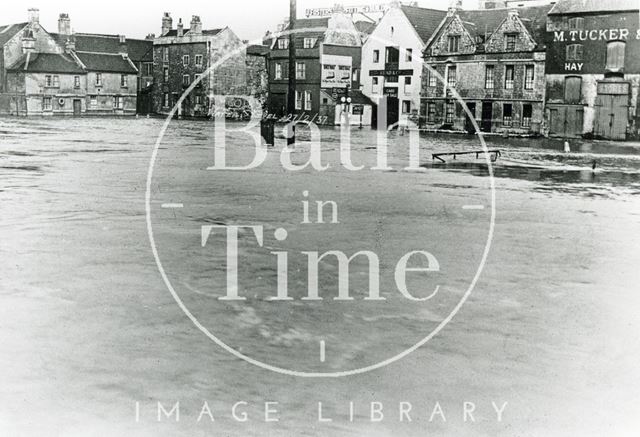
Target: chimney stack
(123,45)
(64,24)
(167,23)
(196,25)
(34,15)
(180,28)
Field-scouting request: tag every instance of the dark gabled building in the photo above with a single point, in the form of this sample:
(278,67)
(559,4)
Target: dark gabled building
(328,61)
(593,69)
(494,59)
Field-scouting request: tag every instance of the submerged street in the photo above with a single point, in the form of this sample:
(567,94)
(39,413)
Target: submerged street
(88,327)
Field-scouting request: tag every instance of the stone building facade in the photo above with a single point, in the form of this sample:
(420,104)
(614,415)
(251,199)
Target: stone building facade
(45,73)
(593,69)
(185,55)
(494,59)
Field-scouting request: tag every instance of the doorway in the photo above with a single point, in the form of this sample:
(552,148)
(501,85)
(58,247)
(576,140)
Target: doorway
(487,116)
(77,107)
(468,124)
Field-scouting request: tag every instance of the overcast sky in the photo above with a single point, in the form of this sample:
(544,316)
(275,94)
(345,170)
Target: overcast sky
(249,19)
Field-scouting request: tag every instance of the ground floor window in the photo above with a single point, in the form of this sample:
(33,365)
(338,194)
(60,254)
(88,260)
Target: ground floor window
(375,85)
(451,107)
(298,100)
(198,100)
(93,101)
(118,102)
(165,101)
(527,112)
(507,114)
(431,112)
(46,104)
(406,106)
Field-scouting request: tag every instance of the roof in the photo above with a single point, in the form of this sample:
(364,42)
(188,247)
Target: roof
(358,98)
(105,62)
(425,21)
(8,31)
(582,6)
(257,50)
(365,27)
(139,50)
(48,63)
(310,23)
(208,32)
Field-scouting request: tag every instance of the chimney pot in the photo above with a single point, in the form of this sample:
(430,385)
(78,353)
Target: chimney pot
(34,15)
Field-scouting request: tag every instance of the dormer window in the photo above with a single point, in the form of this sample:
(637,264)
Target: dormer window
(283,44)
(309,43)
(510,42)
(576,23)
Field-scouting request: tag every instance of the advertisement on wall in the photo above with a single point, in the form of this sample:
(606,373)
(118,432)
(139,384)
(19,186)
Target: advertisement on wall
(336,71)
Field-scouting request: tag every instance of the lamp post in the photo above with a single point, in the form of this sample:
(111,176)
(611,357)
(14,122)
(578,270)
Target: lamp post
(346,104)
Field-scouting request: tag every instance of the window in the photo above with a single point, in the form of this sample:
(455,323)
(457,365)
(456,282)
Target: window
(488,77)
(165,100)
(615,56)
(433,79)
(198,99)
(48,80)
(451,77)
(196,78)
(574,52)
(76,81)
(345,72)
(93,101)
(431,112)
(509,73)
(198,60)
(453,42)
(46,104)
(527,112)
(407,85)
(529,76)
(330,71)
(356,75)
(576,23)
(507,114)
(300,70)
(165,74)
(185,60)
(374,85)
(298,100)
(283,44)
(123,80)
(376,56)
(309,43)
(406,106)
(165,54)
(56,81)
(98,79)
(510,42)
(408,55)
(451,107)
(392,55)
(307,100)
(278,70)
(118,102)
(186,79)
(572,89)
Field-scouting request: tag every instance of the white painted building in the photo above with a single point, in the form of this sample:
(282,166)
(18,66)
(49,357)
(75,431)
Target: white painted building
(392,60)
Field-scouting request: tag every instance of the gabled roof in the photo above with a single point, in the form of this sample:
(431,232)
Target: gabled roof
(425,21)
(102,62)
(8,31)
(47,63)
(590,6)
(208,32)
(139,50)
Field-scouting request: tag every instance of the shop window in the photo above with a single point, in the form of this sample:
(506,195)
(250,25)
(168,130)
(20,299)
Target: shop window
(507,114)
(527,112)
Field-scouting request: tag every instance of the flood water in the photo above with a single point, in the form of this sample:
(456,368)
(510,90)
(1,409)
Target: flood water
(88,327)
